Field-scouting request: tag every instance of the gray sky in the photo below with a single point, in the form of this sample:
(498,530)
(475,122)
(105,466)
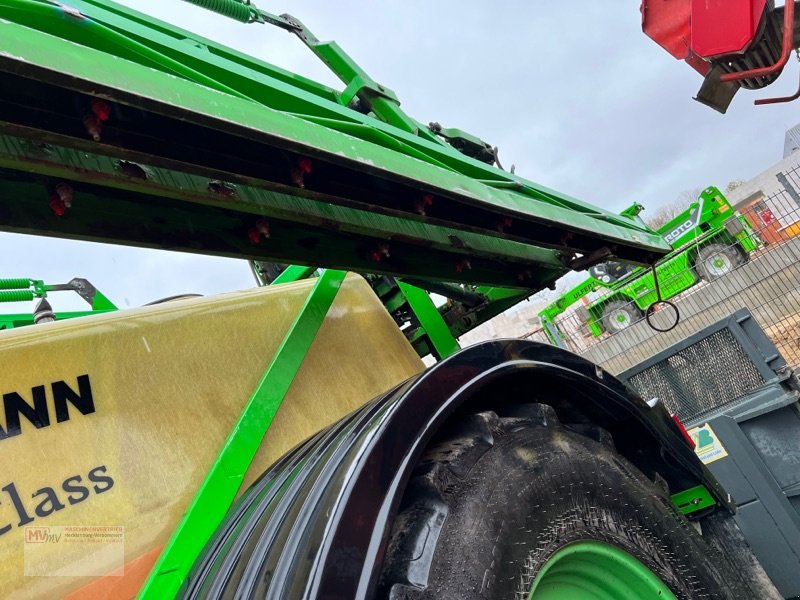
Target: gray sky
(573,94)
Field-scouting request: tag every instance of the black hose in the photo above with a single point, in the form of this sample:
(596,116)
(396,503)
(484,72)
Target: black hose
(652,308)
(449,290)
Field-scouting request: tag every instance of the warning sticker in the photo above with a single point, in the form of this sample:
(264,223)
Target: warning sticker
(706,444)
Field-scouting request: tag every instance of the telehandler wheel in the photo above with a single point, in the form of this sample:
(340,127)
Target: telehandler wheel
(618,315)
(523,507)
(717,260)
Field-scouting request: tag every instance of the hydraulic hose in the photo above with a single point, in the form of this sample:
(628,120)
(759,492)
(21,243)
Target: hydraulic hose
(235,9)
(449,290)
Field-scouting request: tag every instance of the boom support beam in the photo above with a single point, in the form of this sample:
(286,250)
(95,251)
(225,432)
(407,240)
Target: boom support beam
(191,146)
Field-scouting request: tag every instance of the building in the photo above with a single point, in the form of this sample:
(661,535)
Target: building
(771,199)
(792,141)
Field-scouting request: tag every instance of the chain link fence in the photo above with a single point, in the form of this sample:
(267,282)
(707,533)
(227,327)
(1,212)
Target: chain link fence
(755,264)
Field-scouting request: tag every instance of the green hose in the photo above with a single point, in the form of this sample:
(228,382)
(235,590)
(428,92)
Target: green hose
(20,283)
(235,9)
(16,295)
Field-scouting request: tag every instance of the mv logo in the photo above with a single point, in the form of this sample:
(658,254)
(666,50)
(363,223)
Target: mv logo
(40,535)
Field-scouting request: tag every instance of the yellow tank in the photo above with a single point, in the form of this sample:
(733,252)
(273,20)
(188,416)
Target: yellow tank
(110,422)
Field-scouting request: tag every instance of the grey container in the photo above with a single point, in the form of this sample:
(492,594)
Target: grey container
(731,380)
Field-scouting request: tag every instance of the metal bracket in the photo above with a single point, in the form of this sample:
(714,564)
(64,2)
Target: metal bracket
(693,499)
(365,89)
(442,340)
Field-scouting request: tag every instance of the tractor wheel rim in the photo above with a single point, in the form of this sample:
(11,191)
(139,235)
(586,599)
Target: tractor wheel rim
(719,264)
(592,570)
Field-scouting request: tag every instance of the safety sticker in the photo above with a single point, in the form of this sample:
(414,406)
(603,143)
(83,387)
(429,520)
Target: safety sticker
(706,444)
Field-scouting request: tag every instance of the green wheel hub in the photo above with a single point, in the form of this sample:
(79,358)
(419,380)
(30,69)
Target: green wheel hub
(719,265)
(622,318)
(591,570)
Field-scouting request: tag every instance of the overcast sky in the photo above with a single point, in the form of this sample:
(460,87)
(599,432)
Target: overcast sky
(572,93)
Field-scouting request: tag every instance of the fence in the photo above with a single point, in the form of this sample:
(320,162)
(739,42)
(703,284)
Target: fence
(706,284)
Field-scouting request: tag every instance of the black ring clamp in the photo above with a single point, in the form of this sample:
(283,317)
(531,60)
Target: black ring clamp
(658,303)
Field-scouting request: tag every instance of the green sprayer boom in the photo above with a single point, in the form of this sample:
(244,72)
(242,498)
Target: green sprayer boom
(118,128)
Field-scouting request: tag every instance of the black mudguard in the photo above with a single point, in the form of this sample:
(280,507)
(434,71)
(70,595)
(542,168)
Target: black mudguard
(315,524)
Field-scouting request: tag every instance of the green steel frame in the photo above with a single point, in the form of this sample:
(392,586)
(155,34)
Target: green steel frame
(442,341)
(116,127)
(223,480)
(23,289)
(281,155)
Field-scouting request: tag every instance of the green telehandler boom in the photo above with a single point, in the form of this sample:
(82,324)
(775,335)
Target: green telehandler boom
(709,239)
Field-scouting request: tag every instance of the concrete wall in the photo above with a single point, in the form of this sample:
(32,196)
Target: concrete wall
(769,285)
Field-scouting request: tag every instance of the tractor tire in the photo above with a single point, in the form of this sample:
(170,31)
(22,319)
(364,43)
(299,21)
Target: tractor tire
(717,260)
(619,315)
(499,505)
